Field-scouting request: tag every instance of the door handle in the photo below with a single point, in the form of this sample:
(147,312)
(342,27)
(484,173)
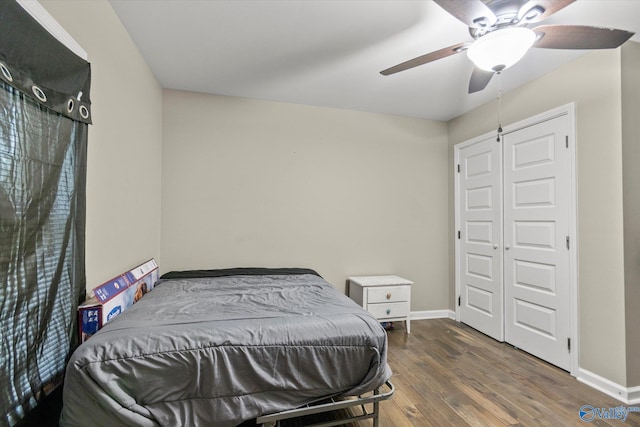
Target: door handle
(507,247)
(495,246)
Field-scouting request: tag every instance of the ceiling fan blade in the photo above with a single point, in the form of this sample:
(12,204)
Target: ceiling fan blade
(579,37)
(429,57)
(538,10)
(473,13)
(479,79)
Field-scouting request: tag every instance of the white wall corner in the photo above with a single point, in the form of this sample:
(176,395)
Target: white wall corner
(629,396)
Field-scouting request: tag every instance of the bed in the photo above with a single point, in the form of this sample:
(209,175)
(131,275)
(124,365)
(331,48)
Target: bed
(219,347)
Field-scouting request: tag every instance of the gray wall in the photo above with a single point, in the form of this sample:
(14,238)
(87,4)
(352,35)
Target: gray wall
(257,183)
(123,170)
(240,182)
(631,176)
(594,82)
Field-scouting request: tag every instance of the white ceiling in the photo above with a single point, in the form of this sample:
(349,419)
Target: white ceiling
(330,52)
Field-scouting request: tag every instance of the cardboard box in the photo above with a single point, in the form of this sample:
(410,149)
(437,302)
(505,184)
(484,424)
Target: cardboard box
(89,318)
(114,296)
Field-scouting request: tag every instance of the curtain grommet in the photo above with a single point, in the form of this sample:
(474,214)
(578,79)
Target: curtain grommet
(70,105)
(39,93)
(84,112)
(6,73)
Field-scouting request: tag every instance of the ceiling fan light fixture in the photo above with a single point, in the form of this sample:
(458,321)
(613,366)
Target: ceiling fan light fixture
(500,49)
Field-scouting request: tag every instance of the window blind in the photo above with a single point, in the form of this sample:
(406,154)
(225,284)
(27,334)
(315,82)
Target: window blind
(44,116)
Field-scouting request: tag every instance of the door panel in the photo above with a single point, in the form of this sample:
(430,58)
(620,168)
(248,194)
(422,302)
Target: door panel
(536,226)
(479,210)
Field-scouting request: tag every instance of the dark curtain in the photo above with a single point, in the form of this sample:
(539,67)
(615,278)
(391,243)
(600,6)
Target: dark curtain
(43,139)
(42,198)
(37,64)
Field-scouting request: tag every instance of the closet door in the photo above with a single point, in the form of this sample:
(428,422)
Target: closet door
(480,237)
(536,246)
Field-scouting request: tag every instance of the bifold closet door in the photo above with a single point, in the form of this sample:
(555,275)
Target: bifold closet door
(536,240)
(480,262)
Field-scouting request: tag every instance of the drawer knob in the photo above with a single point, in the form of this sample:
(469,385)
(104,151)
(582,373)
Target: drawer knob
(388,311)
(389,297)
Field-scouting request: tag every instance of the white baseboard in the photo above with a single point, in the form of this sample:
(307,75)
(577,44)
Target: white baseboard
(629,396)
(432,314)
(634,395)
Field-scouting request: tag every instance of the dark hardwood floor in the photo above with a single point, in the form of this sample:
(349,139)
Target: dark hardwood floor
(448,374)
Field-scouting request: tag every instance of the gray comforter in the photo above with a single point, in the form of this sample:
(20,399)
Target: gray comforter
(217,351)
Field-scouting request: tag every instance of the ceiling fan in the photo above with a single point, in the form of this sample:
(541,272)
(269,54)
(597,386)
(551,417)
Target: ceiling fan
(502,36)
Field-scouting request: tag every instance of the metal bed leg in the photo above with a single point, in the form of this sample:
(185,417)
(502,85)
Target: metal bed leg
(273,420)
(376,409)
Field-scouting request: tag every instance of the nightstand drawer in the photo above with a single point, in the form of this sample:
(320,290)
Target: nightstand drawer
(388,298)
(388,294)
(389,310)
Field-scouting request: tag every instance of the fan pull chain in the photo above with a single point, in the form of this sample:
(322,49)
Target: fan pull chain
(499,107)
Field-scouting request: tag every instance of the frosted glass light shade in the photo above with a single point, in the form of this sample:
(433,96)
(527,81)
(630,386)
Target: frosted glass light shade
(500,49)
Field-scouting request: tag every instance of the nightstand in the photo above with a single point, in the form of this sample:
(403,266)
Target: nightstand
(386,297)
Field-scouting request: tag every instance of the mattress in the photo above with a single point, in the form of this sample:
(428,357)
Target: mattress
(219,347)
